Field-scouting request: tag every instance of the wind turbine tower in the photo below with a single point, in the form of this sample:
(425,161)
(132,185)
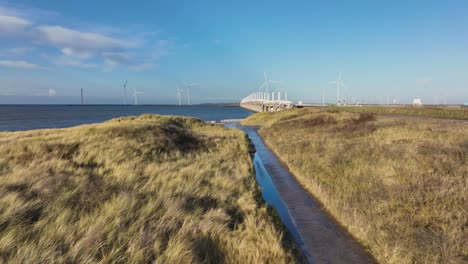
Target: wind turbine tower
(339,84)
(179,95)
(189,85)
(323,96)
(125,92)
(135,95)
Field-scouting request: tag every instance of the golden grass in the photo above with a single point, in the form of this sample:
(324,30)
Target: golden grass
(399,185)
(133,190)
(426,111)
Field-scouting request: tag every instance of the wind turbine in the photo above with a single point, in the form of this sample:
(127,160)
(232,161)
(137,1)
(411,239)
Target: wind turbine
(339,83)
(125,92)
(323,96)
(188,85)
(284,91)
(135,95)
(179,94)
(267,83)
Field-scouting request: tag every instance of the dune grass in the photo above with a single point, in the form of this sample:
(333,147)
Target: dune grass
(426,111)
(133,190)
(398,185)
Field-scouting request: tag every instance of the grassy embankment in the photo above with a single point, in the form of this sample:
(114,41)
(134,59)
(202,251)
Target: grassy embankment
(398,185)
(427,111)
(133,190)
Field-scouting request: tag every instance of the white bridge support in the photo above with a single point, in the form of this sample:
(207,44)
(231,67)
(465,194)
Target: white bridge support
(261,102)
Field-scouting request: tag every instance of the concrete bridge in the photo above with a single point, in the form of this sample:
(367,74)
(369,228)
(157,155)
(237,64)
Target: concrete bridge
(266,102)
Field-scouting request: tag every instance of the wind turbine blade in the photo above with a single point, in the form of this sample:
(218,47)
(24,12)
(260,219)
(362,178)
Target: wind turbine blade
(342,84)
(261,86)
(264,74)
(274,81)
(339,77)
(332,82)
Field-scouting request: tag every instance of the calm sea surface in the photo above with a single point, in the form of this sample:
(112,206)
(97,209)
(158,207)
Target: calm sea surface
(25,117)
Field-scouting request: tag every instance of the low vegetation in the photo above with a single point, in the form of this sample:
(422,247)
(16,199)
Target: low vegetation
(426,111)
(133,190)
(399,185)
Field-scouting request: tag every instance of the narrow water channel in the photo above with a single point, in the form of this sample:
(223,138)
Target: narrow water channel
(319,237)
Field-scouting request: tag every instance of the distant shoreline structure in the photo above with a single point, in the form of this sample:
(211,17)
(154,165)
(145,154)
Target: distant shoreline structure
(128,105)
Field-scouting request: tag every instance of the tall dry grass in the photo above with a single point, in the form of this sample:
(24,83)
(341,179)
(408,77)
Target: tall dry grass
(133,190)
(399,185)
(426,111)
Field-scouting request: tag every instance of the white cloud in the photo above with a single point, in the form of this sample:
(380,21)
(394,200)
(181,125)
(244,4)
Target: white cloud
(78,54)
(69,61)
(15,53)
(52,92)
(11,25)
(424,80)
(79,47)
(117,58)
(19,64)
(76,42)
(99,47)
(161,49)
(143,67)
(19,51)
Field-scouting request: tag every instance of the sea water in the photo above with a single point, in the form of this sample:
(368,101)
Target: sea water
(26,117)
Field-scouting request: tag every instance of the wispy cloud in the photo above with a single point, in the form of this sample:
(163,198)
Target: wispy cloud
(74,41)
(424,80)
(117,58)
(161,49)
(25,12)
(77,47)
(11,25)
(17,52)
(144,67)
(70,61)
(20,51)
(52,92)
(19,64)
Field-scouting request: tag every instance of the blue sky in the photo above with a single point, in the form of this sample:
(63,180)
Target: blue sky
(400,49)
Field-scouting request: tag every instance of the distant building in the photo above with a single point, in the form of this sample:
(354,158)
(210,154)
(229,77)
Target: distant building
(417,102)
